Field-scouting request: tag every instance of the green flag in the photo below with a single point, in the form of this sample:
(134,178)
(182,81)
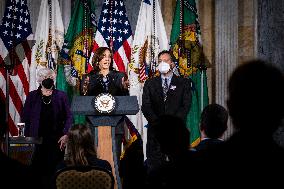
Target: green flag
(75,50)
(187,48)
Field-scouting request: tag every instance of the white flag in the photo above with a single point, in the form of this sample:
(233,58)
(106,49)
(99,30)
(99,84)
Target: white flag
(49,37)
(150,38)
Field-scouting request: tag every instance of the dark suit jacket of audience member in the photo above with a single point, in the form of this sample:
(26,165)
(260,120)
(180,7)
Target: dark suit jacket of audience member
(207,144)
(115,84)
(178,98)
(245,160)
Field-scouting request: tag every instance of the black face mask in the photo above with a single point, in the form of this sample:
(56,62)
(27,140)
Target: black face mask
(48,83)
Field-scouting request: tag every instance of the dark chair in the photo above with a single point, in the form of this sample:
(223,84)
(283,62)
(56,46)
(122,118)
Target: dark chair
(84,177)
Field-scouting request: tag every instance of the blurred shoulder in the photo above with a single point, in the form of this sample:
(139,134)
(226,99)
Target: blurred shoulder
(184,80)
(154,79)
(99,162)
(34,93)
(59,92)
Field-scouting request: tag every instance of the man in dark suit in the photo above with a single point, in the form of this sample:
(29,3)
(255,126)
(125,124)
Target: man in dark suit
(213,124)
(166,94)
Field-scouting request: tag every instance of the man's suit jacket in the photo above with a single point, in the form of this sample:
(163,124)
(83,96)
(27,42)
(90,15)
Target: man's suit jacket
(208,144)
(153,105)
(178,98)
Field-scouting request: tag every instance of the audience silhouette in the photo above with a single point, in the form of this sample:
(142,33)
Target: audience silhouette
(173,138)
(250,157)
(213,124)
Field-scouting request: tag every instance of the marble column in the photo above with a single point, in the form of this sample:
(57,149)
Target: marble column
(246,30)
(65,7)
(206,20)
(168,8)
(270,40)
(226,48)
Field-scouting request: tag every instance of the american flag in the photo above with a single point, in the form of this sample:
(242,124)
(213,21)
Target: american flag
(15,50)
(114,31)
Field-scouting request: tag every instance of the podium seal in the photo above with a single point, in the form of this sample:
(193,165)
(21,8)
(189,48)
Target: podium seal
(104,103)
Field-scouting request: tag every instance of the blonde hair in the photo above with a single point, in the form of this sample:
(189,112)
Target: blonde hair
(44,73)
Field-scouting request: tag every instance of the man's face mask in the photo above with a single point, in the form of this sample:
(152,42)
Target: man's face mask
(164,67)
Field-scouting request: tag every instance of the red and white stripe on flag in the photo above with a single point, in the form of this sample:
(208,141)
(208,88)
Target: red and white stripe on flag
(14,32)
(18,86)
(114,31)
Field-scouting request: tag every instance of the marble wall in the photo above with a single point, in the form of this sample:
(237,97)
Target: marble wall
(247,15)
(270,39)
(270,35)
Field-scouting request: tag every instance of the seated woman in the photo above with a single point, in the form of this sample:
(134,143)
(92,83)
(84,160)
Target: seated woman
(81,149)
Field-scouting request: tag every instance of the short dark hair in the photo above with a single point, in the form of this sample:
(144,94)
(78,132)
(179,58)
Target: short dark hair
(167,52)
(214,120)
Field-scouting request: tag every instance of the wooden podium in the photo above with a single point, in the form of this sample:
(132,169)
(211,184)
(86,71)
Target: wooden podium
(105,125)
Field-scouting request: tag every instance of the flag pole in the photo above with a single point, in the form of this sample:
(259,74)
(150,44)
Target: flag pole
(180,43)
(7,111)
(153,66)
(8,66)
(202,67)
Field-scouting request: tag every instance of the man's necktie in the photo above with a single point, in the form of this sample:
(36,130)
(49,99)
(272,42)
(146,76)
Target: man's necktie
(165,88)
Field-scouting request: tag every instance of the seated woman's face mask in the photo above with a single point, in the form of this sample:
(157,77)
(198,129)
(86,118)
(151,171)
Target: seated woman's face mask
(164,67)
(47,86)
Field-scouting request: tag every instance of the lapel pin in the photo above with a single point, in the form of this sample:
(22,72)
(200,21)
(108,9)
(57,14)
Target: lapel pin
(173,87)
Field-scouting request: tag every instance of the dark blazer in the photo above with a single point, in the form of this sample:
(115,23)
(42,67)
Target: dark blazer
(177,104)
(115,86)
(178,98)
(93,161)
(208,144)
(32,108)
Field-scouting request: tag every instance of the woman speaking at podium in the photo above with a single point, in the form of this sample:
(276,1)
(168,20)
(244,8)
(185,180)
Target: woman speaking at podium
(105,79)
